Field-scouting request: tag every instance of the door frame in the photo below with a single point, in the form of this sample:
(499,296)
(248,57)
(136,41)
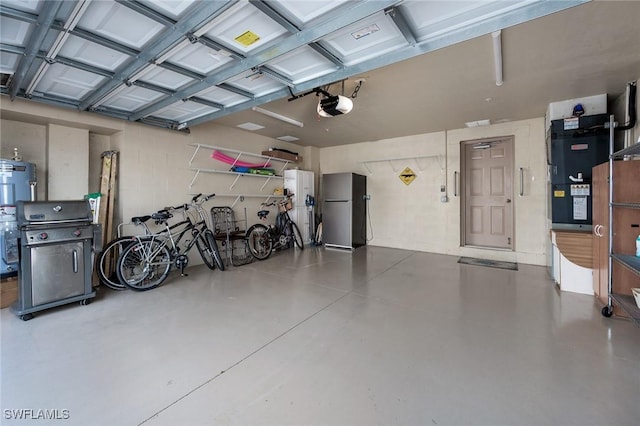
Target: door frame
(463,194)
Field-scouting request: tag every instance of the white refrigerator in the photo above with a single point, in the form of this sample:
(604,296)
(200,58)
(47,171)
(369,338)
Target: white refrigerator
(301,183)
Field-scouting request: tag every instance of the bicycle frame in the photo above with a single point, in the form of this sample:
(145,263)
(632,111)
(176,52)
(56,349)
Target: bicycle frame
(146,263)
(277,232)
(263,238)
(173,235)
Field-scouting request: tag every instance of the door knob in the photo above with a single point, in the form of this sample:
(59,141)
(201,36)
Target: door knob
(508,200)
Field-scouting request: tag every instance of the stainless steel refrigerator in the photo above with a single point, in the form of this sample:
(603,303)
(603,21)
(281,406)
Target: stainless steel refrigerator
(344,210)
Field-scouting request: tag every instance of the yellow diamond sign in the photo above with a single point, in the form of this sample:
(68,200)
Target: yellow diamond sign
(407,176)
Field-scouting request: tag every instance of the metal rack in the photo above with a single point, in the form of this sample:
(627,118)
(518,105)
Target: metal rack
(238,156)
(421,167)
(625,301)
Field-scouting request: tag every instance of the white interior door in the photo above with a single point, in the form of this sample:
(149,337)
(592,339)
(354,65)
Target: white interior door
(488,193)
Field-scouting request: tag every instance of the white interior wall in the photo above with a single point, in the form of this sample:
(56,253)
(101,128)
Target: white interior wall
(31,141)
(97,145)
(413,217)
(68,162)
(401,216)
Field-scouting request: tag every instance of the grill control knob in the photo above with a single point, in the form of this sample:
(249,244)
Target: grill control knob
(77,232)
(43,236)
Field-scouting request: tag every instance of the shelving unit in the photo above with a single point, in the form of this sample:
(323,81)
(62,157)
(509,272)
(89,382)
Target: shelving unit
(622,212)
(239,156)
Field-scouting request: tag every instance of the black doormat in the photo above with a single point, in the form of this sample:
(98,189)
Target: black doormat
(490,263)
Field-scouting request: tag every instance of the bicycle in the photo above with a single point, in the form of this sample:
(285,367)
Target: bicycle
(107,259)
(263,239)
(146,263)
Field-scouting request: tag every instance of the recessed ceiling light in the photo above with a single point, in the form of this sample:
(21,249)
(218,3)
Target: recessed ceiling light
(288,138)
(250,126)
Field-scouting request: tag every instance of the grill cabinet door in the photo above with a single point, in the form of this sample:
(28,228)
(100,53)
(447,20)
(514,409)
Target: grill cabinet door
(57,272)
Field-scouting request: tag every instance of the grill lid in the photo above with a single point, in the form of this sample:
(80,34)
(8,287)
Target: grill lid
(42,212)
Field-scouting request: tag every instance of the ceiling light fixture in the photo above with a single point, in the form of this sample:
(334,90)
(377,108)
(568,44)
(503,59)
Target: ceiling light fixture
(250,126)
(278,116)
(497,55)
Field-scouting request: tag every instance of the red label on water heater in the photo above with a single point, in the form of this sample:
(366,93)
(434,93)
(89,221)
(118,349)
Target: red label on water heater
(579,147)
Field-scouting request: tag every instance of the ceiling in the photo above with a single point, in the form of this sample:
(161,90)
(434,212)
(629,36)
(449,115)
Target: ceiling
(422,65)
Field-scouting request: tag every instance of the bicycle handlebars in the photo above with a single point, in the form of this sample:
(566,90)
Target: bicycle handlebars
(202,198)
(166,212)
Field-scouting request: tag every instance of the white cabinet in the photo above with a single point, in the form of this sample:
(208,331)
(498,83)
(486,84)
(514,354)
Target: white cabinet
(301,184)
(572,261)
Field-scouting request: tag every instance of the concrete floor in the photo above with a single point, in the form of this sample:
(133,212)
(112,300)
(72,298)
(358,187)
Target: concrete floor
(380,336)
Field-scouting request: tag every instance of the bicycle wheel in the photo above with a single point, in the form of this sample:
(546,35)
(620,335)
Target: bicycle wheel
(260,245)
(208,249)
(217,257)
(296,236)
(205,250)
(144,265)
(107,263)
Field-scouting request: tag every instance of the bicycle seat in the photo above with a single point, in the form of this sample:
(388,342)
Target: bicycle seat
(161,216)
(139,220)
(263,213)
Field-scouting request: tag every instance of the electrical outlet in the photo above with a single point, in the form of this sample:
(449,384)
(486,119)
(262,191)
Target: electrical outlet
(444,199)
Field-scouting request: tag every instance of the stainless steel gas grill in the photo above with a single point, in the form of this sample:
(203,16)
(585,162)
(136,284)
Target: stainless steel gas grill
(56,240)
